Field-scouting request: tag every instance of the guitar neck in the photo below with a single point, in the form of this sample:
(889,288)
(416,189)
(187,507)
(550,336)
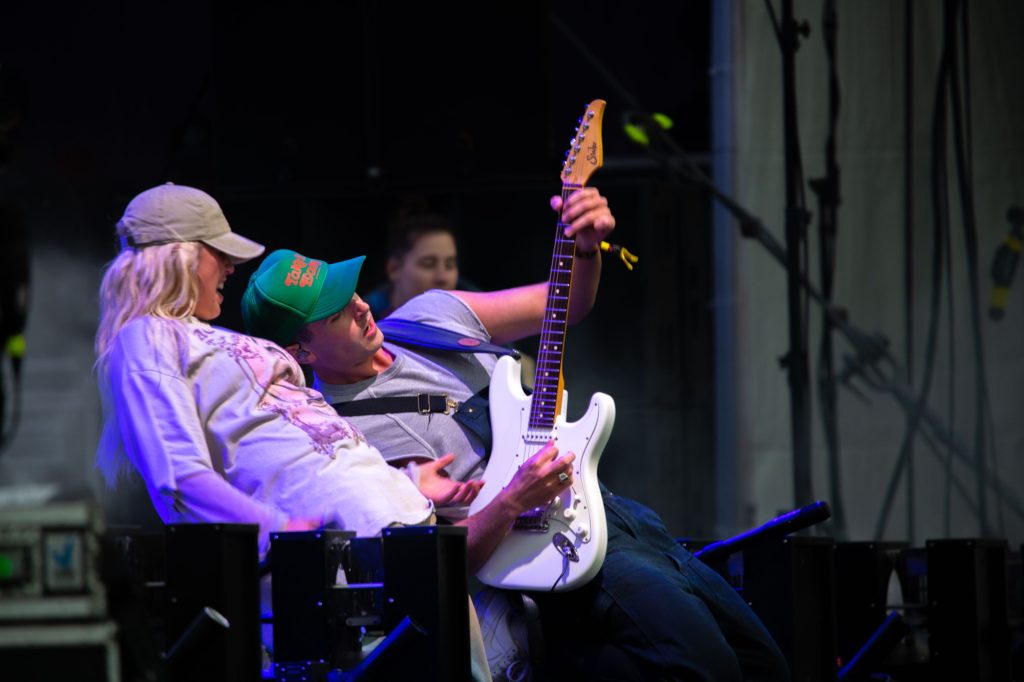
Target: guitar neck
(584,156)
(547,384)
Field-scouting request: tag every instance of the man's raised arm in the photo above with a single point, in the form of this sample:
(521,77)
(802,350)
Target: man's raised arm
(512,314)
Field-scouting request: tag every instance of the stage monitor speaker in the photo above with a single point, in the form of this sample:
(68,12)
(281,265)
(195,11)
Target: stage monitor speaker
(327,587)
(968,621)
(790,585)
(213,566)
(410,585)
(425,579)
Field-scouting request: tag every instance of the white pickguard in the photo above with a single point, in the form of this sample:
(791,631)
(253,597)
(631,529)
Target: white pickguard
(532,559)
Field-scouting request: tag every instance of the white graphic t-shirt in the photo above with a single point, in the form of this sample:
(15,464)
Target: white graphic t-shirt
(195,405)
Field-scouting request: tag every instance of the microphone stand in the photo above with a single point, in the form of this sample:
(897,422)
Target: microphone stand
(796,360)
(827,191)
(869,350)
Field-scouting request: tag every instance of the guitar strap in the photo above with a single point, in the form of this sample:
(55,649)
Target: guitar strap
(472,413)
(428,336)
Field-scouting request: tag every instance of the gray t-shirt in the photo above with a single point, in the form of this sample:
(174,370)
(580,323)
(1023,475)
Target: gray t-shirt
(460,375)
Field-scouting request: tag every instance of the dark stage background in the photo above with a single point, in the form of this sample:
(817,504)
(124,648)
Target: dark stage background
(313,123)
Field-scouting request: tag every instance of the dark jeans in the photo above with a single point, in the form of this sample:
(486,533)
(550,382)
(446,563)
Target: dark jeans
(653,612)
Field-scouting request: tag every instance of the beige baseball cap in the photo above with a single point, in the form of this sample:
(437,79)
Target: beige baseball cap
(176,213)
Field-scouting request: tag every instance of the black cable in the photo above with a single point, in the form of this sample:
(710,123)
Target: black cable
(949,42)
(969,136)
(940,217)
(774,19)
(966,188)
(991,425)
(947,239)
(796,361)
(908,235)
(965,65)
(932,430)
(827,191)
(940,152)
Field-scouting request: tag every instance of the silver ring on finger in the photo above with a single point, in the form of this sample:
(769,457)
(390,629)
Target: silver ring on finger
(562,477)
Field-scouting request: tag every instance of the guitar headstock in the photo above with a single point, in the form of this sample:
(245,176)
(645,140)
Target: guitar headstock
(585,154)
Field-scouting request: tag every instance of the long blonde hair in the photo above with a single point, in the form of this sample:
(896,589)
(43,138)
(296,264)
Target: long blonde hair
(157,280)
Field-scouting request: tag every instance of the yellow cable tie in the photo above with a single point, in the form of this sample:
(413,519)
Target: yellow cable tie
(627,258)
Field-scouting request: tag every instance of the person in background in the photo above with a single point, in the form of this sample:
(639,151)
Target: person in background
(422,254)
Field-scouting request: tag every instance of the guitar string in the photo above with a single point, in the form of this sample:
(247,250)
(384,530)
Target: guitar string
(552,338)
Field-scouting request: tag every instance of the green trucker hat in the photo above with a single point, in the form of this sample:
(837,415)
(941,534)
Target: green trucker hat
(288,291)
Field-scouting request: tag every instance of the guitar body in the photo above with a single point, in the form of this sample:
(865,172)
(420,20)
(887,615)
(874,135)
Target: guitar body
(560,546)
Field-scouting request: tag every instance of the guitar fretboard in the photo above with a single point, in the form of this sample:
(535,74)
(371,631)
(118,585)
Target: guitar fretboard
(547,381)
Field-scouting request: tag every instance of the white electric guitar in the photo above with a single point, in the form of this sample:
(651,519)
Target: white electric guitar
(562,545)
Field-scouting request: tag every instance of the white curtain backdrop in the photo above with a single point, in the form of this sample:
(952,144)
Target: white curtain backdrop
(869,269)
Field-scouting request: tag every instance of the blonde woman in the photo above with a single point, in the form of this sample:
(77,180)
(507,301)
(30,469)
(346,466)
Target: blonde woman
(220,425)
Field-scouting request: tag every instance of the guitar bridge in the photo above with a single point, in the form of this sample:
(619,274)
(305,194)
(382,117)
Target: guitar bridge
(533,521)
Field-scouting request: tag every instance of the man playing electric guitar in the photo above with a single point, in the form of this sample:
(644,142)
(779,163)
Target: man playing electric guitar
(653,612)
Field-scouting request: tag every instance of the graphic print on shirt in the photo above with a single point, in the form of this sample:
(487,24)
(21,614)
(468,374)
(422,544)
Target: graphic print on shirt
(273,374)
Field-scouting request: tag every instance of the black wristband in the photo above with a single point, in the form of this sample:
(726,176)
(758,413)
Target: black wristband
(587,254)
